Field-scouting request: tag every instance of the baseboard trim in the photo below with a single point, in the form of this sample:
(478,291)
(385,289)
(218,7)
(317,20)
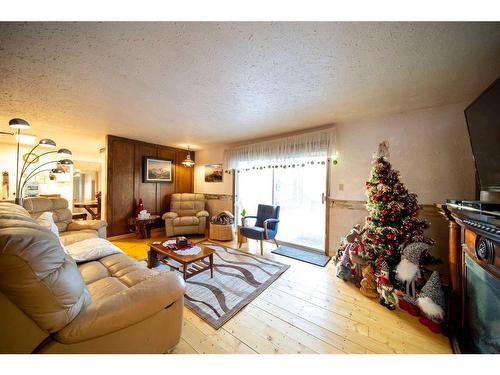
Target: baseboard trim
(128,235)
(361,205)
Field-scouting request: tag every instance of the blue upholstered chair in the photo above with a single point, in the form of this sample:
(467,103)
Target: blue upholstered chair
(266,225)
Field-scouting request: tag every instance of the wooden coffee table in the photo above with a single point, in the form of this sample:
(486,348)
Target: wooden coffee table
(191,265)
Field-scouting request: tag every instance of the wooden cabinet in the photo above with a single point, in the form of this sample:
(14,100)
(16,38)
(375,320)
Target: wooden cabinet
(124,180)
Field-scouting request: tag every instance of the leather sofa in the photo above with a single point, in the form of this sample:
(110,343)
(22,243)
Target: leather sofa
(187,215)
(49,304)
(70,231)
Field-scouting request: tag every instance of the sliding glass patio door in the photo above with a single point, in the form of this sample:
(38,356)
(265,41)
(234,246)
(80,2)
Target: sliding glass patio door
(299,190)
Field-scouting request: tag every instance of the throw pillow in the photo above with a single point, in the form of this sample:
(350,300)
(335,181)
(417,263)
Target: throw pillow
(46,220)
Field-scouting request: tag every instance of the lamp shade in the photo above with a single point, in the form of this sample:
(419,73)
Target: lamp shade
(64,151)
(57,170)
(65,162)
(188,162)
(47,142)
(19,123)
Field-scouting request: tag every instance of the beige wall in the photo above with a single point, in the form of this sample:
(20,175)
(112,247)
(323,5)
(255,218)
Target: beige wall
(62,185)
(8,164)
(212,155)
(430,148)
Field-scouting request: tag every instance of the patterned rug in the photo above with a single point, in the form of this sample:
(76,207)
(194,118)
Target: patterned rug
(238,279)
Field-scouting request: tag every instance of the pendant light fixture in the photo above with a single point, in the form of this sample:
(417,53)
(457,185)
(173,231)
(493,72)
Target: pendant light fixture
(188,162)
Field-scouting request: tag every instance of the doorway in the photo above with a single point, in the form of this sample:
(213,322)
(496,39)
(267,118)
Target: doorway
(299,188)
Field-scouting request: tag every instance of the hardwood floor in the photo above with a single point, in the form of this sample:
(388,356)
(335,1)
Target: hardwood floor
(307,310)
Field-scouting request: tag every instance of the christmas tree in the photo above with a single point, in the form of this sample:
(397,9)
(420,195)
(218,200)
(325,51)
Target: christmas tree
(393,220)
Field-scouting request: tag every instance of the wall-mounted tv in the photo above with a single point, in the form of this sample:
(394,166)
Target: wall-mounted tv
(483,122)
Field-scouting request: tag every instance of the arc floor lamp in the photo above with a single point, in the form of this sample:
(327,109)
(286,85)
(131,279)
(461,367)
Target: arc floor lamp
(23,175)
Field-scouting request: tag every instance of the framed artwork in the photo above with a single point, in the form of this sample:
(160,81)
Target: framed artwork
(156,170)
(213,173)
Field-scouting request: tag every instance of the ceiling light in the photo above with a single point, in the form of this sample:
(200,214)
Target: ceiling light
(26,139)
(188,162)
(19,123)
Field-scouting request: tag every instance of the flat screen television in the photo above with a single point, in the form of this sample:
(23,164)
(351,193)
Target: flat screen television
(483,123)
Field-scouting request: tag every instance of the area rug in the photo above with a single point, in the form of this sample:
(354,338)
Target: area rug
(302,255)
(238,279)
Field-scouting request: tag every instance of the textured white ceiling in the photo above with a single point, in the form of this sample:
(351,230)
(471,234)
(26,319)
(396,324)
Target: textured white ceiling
(212,83)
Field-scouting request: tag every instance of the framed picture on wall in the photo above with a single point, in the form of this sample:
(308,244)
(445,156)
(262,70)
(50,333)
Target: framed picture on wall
(156,170)
(213,173)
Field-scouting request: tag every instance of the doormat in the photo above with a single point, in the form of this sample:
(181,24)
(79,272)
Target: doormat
(302,255)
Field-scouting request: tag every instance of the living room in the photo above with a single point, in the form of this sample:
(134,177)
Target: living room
(249,188)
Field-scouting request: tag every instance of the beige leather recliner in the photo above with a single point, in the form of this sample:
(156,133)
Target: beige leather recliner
(187,215)
(70,231)
(48,304)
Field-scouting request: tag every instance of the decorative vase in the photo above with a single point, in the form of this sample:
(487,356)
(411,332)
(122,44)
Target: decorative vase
(139,207)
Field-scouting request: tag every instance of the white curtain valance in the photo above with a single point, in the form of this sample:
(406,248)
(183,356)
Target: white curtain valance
(320,143)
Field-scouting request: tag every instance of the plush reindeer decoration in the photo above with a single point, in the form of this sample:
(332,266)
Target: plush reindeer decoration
(351,243)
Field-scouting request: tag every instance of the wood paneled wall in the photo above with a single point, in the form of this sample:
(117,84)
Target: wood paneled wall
(345,213)
(124,180)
